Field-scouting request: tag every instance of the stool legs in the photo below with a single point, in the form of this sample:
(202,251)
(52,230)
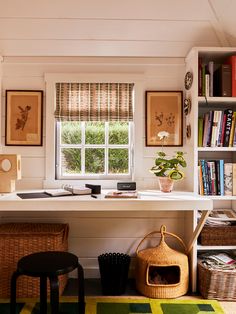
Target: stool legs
(81,301)
(14,277)
(54,294)
(43,295)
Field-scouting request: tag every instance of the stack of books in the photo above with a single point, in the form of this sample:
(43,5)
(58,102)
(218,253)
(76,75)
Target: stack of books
(217,79)
(216,128)
(216,177)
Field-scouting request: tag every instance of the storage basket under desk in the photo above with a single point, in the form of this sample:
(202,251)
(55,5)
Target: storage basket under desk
(20,239)
(218,235)
(216,283)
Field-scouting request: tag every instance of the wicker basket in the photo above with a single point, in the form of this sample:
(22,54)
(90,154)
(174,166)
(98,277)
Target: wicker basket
(218,235)
(216,284)
(162,272)
(20,239)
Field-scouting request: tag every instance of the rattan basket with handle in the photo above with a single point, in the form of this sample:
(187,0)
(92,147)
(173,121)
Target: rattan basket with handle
(162,272)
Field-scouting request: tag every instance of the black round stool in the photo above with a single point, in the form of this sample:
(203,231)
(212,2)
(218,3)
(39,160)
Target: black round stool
(49,264)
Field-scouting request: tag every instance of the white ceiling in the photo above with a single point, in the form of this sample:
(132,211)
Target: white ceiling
(132,28)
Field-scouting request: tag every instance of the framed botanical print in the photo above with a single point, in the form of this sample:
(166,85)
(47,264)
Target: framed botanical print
(24,117)
(164,112)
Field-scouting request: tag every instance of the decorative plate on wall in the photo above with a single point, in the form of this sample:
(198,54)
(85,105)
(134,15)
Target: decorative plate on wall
(188,80)
(187,106)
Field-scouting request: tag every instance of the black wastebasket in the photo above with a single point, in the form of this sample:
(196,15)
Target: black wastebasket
(114,268)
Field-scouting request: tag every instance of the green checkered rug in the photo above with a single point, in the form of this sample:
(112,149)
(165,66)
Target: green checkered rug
(117,305)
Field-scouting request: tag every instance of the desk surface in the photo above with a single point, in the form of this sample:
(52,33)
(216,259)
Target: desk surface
(148,200)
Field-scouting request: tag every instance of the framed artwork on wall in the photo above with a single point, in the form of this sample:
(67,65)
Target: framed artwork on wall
(24,117)
(164,112)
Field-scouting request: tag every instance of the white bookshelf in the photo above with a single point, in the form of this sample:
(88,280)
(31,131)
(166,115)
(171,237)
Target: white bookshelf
(199,106)
(215,247)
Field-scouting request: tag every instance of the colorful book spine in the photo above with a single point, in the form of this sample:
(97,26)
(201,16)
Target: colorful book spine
(209,128)
(222,189)
(200,191)
(232,61)
(205,129)
(229,114)
(204,177)
(223,130)
(228,178)
(220,129)
(232,131)
(211,77)
(217,168)
(200,77)
(200,131)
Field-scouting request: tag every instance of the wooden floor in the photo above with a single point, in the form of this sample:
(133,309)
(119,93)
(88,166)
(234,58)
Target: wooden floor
(93,288)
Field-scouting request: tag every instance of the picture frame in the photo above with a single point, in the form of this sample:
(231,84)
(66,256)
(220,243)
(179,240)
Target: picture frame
(164,112)
(24,118)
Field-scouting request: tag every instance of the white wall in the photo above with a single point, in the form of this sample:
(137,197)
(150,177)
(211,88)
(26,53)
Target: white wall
(91,235)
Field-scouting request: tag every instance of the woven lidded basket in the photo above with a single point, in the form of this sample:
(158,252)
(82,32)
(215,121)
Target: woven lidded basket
(218,235)
(20,239)
(216,284)
(162,272)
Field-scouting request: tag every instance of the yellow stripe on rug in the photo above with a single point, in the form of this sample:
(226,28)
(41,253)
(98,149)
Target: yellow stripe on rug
(129,305)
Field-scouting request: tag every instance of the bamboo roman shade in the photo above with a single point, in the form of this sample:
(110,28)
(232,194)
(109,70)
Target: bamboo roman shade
(94,101)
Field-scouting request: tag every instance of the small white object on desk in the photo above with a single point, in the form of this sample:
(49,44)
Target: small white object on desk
(69,190)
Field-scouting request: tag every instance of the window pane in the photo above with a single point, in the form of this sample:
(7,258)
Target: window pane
(94,160)
(118,160)
(118,133)
(94,133)
(71,160)
(70,132)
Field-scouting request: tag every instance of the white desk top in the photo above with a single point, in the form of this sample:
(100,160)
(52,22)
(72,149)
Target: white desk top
(148,200)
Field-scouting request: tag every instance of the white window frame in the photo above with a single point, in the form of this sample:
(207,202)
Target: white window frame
(106,146)
(50,161)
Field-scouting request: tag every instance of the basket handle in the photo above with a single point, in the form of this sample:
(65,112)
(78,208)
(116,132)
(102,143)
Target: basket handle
(163,232)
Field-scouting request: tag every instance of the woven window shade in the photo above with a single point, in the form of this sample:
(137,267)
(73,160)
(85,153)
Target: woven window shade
(94,102)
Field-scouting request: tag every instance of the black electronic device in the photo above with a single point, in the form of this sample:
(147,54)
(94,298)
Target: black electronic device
(96,189)
(126,186)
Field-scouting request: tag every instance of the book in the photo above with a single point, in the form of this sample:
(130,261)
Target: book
(211,77)
(57,192)
(200,76)
(217,169)
(221,177)
(220,127)
(228,180)
(200,185)
(205,128)
(209,128)
(212,171)
(200,131)
(77,190)
(229,114)
(122,194)
(232,61)
(232,131)
(68,190)
(207,85)
(223,81)
(222,132)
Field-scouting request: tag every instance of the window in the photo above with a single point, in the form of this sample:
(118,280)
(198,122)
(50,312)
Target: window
(94,149)
(94,130)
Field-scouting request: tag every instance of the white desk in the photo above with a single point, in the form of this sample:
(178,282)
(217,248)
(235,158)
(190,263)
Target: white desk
(148,201)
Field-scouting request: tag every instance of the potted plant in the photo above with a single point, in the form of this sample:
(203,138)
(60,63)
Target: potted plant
(168,169)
